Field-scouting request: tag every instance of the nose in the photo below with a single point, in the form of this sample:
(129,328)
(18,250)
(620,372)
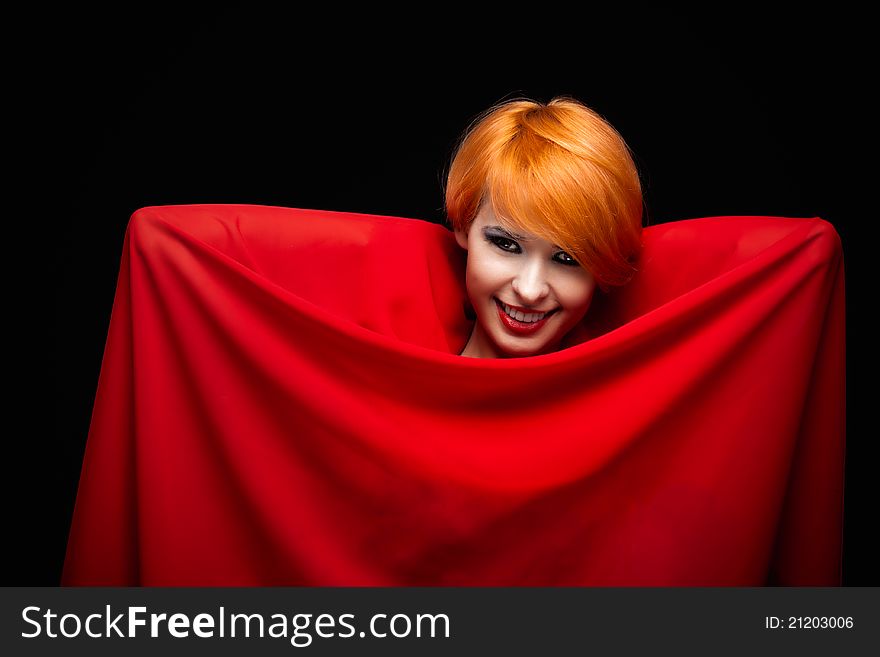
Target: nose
(530,283)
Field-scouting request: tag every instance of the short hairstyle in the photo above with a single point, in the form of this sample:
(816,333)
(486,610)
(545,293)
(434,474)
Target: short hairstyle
(557,170)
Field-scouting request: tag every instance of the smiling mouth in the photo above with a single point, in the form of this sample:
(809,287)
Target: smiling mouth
(523,317)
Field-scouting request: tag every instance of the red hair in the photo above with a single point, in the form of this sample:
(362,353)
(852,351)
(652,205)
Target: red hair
(556,170)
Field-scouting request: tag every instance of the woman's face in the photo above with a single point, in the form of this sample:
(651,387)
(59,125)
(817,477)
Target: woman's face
(551,291)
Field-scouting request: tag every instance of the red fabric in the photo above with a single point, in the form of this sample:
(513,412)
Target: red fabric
(281,402)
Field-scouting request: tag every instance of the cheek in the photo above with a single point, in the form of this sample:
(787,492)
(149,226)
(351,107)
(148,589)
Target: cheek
(483,276)
(578,296)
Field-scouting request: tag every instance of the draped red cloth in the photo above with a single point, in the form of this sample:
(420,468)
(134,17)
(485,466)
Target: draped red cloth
(281,402)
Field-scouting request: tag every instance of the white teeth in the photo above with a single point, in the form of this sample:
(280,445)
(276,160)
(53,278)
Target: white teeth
(521,316)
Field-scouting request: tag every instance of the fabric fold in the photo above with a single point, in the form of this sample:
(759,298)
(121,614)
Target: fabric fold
(281,403)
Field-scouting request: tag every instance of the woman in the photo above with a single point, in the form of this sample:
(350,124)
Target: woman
(547,202)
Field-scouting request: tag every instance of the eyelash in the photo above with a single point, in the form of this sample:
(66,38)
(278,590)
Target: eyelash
(496,239)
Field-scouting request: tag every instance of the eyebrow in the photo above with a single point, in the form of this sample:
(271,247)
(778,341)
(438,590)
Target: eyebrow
(501,229)
(515,236)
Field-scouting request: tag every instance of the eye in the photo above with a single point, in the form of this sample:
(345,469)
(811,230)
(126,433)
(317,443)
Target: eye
(500,242)
(567,259)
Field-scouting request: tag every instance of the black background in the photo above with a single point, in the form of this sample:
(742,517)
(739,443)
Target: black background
(730,114)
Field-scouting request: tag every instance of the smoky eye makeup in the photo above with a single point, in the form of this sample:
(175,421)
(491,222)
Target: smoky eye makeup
(500,238)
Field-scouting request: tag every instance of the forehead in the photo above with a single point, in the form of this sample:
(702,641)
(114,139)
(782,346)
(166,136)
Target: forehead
(486,217)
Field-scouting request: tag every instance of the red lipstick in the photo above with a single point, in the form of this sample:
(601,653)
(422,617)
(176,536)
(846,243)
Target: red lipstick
(518,327)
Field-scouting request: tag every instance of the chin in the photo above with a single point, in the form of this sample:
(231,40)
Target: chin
(521,351)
